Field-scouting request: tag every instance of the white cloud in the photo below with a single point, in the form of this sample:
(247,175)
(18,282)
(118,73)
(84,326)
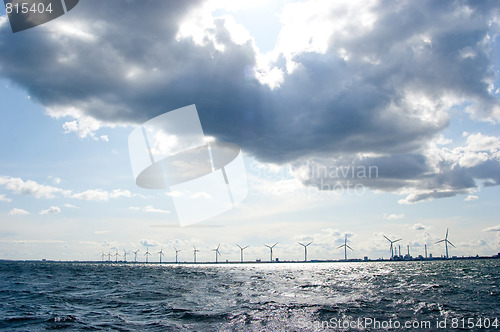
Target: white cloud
(101,195)
(4,198)
(471,198)
(149,208)
(56,180)
(71,206)
(51,210)
(149,243)
(492,229)
(30,187)
(395,216)
(18,212)
(419,227)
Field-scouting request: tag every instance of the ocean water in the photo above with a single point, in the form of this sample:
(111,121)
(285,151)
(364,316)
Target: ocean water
(250,297)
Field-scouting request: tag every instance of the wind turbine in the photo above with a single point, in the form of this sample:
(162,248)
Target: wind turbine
(116,256)
(194,252)
(103,255)
(305,250)
(125,255)
(147,254)
(392,245)
(217,253)
(271,248)
(176,253)
(445,240)
(241,254)
(345,245)
(109,256)
(161,254)
(135,253)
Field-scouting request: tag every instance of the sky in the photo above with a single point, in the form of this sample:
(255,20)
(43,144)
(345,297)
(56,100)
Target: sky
(355,118)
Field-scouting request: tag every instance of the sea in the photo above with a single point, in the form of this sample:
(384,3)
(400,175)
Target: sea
(343,296)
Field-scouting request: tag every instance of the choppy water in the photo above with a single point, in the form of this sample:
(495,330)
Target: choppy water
(250,297)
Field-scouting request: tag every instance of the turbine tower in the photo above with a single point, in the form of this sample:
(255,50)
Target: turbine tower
(125,255)
(241,254)
(109,256)
(305,249)
(176,254)
(147,254)
(392,245)
(135,253)
(116,256)
(194,252)
(445,240)
(345,246)
(217,253)
(160,253)
(103,255)
(271,248)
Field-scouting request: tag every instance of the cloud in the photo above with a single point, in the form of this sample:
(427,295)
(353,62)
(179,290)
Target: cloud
(349,82)
(419,227)
(471,198)
(4,198)
(149,243)
(431,173)
(18,212)
(149,208)
(71,206)
(492,229)
(30,187)
(101,195)
(51,210)
(395,216)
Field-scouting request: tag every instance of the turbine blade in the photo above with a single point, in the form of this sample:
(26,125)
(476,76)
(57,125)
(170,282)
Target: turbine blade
(387,238)
(446,233)
(340,246)
(450,243)
(350,248)
(397,240)
(440,241)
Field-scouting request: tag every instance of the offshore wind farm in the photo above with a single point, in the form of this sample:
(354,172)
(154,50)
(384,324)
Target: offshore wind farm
(392,255)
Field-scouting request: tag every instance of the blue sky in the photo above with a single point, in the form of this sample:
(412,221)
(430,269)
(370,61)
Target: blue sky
(299,86)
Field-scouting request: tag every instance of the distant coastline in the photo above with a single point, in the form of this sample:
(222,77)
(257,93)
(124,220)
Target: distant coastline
(365,260)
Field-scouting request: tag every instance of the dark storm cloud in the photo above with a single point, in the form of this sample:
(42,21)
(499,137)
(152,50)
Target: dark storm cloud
(130,68)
